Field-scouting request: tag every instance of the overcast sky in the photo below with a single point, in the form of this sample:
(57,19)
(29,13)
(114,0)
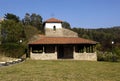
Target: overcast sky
(79,13)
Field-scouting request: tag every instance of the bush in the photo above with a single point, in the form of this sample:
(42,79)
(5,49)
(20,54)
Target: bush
(117,52)
(13,49)
(107,56)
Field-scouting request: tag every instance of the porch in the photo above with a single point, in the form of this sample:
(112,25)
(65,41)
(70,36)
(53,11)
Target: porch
(63,51)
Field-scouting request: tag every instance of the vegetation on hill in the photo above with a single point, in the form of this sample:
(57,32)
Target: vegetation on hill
(105,37)
(16,33)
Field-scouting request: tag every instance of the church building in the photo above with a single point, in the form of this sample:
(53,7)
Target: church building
(61,43)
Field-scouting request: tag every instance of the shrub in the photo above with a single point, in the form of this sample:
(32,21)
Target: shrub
(13,49)
(107,56)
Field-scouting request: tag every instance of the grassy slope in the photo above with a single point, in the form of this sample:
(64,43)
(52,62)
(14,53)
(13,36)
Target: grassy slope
(60,70)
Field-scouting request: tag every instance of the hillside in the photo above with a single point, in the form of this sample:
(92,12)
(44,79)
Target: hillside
(102,35)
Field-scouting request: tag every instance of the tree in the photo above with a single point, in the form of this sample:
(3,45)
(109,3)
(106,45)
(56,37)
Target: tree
(10,16)
(34,20)
(30,31)
(26,20)
(11,31)
(66,25)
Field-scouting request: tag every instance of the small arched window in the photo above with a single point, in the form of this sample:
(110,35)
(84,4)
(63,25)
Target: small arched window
(54,28)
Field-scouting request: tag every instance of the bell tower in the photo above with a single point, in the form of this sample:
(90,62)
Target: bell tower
(53,28)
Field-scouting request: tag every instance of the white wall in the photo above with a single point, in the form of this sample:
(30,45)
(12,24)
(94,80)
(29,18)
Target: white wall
(51,25)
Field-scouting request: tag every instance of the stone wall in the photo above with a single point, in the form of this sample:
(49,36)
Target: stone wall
(60,33)
(53,56)
(45,56)
(85,56)
(52,33)
(69,33)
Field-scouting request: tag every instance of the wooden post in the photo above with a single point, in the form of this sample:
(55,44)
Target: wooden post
(90,49)
(84,49)
(30,49)
(74,48)
(94,49)
(55,49)
(43,50)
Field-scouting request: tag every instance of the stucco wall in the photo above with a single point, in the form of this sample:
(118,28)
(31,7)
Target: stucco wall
(85,56)
(51,25)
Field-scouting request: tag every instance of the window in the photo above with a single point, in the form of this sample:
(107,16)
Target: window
(49,49)
(79,48)
(54,28)
(37,49)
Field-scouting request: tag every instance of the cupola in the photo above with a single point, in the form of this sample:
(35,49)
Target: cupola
(53,23)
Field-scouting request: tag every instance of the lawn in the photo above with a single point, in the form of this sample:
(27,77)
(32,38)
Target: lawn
(61,70)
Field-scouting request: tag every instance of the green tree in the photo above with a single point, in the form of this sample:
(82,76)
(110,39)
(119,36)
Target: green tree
(26,20)
(66,25)
(30,31)
(10,16)
(36,21)
(11,31)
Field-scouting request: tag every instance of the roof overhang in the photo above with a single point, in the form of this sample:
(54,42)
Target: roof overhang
(62,40)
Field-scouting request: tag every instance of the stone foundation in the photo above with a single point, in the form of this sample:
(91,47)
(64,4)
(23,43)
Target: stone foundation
(85,56)
(53,56)
(41,56)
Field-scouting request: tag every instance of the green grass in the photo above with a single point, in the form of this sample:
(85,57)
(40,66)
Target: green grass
(61,70)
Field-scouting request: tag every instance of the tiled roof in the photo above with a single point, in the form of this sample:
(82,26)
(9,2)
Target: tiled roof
(63,40)
(52,20)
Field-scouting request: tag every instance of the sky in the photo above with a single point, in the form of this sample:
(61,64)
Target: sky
(79,13)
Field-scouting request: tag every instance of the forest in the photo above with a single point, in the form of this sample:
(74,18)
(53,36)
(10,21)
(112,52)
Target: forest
(16,32)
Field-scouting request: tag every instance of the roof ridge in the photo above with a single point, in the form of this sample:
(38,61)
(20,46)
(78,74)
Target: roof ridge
(53,20)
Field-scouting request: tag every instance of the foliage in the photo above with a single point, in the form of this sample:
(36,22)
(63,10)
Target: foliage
(66,25)
(11,31)
(104,36)
(33,20)
(30,31)
(10,16)
(26,20)
(116,51)
(107,56)
(13,49)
